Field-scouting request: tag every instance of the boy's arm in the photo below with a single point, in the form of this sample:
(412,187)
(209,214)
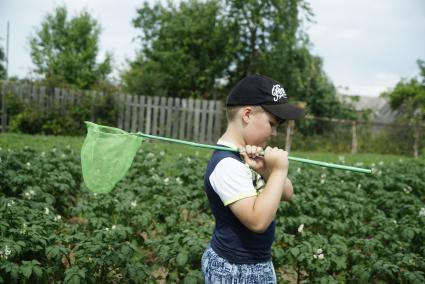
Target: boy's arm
(288,190)
(257,212)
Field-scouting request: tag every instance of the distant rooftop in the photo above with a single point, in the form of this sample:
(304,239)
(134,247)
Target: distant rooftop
(380,107)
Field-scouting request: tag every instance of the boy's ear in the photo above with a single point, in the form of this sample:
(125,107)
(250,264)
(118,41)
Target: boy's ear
(246,113)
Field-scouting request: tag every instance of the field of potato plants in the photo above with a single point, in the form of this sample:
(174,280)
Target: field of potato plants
(340,227)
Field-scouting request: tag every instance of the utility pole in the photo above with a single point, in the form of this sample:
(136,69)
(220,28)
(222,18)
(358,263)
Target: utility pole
(7,51)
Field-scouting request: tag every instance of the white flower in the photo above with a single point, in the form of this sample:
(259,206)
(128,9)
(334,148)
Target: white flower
(106,229)
(323,175)
(359,164)
(54,150)
(5,253)
(11,203)
(300,228)
(23,231)
(395,222)
(63,156)
(422,212)
(46,211)
(188,159)
(133,204)
(29,194)
(407,189)
(28,165)
(319,251)
(166,180)
(113,227)
(57,217)
(381,163)
(321,256)
(342,181)
(179,180)
(299,170)
(359,186)
(150,155)
(43,154)
(322,181)
(162,153)
(341,158)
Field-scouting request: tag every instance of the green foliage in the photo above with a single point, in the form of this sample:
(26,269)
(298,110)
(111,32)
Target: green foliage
(62,119)
(184,50)
(202,48)
(156,223)
(64,50)
(408,96)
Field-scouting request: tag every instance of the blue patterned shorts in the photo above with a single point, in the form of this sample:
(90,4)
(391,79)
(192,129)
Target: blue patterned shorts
(218,270)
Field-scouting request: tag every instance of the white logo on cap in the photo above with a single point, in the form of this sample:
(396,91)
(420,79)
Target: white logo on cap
(278,92)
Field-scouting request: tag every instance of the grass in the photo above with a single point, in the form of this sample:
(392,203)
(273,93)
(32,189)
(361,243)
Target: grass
(40,143)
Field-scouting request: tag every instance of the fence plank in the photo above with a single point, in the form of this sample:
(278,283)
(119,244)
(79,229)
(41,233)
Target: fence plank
(196,119)
(127,112)
(217,120)
(155,115)
(189,119)
(134,113)
(170,118)
(182,118)
(203,124)
(142,107)
(163,111)
(148,115)
(176,115)
(209,126)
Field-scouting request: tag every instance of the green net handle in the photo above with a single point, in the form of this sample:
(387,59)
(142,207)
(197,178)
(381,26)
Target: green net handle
(307,161)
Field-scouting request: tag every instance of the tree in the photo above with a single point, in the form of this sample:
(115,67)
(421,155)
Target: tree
(205,46)
(408,96)
(64,50)
(184,50)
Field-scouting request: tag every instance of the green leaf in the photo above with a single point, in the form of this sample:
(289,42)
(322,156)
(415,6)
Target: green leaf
(182,258)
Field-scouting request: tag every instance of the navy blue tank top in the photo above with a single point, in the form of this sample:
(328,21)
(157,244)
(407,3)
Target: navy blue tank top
(231,239)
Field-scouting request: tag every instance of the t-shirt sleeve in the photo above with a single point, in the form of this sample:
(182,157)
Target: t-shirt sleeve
(232,181)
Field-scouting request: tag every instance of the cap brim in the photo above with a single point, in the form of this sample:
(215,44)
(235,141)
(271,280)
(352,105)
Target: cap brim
(285,111)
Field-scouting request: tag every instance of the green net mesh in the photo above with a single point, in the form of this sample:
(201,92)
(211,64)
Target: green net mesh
(106,156)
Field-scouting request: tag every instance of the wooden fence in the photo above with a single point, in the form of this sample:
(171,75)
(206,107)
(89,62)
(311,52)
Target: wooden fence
(187,119)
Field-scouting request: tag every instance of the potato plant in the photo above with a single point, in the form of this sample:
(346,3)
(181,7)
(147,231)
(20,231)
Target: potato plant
(340,227)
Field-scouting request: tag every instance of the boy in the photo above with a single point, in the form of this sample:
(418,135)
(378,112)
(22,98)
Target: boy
(244,191)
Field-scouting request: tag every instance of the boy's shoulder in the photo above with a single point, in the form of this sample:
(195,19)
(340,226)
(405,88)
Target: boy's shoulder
(219,155)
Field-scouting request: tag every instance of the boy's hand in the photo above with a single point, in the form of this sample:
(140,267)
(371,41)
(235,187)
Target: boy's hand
(252,157)
(276,159)
(273,159)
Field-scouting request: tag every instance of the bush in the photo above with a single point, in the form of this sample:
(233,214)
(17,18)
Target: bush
(63,119)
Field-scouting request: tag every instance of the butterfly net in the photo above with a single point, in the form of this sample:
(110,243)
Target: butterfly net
(106,156)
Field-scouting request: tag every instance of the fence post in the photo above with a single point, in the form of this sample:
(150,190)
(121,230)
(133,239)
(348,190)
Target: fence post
(289,129)
(416,137)
(3,108)
(354,137)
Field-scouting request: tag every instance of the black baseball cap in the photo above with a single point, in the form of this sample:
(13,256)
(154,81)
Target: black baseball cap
(259,90)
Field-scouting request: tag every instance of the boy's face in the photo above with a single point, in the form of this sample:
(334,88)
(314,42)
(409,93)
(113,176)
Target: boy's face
(260,127)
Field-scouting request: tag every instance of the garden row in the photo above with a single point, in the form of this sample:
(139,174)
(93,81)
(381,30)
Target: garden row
(154,226)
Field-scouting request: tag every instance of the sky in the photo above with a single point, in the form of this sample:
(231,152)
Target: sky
(367,46)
